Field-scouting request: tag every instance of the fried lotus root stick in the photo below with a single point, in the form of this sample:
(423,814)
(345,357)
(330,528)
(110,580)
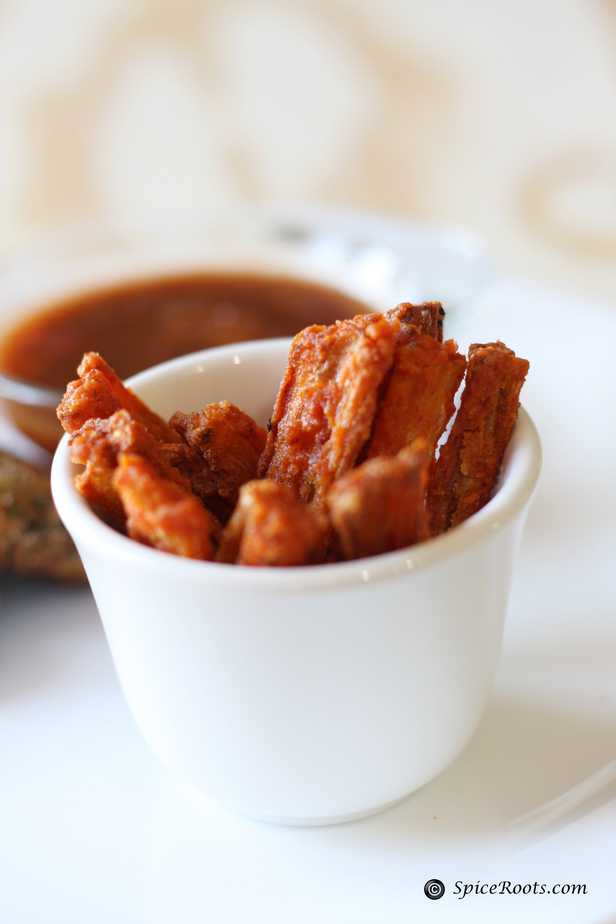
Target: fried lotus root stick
(161,513)
(467,469)
(419,396)
(426,318)
(98,392)
(227,444)
(327,401)
(380,506)
(270,526)
(96,445)
(95,484)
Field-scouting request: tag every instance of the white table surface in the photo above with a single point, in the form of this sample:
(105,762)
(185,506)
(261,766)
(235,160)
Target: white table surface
(92,830)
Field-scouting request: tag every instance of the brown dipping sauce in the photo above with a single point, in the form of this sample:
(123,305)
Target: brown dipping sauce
(139,323)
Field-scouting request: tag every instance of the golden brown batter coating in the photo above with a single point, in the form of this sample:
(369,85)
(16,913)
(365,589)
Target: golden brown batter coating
(90,447)
(96,445)
(381,505)
(227,444)
(161,513)
(270,526)
(98,392)
(418,399)
(426,318)
(122,433)
(467,469)
(327,401)
(95,484)
(84,399)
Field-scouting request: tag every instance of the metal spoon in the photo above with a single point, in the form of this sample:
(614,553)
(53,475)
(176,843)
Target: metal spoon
(14,389)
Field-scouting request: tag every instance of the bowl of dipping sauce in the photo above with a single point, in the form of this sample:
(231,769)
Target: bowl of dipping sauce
(144,296)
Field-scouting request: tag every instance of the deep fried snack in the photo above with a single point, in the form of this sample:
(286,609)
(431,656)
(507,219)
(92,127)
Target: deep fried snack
(270,526)
(418,399)
(122,433)
(96,445)
(95,484)
(162,513)
(467,469)
(381,505)
(426,318)
(327,401)
(91,447)
(226,445)
(98,392)
(84,399)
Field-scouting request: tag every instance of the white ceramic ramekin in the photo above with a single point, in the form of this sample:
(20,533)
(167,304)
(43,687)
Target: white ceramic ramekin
(302,695)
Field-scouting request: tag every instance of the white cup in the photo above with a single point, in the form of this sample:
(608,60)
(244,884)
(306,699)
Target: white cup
(302,695)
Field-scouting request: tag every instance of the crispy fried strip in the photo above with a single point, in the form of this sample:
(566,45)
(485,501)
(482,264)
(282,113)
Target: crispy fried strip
(327,401)
(270,526)
(95,484)
(227,444)
(381,505)
(122,433)
(98,392)
(418,399)
(426,318)
(160,512)
(85,399)
(466,472)
(90,447)
(97,445)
